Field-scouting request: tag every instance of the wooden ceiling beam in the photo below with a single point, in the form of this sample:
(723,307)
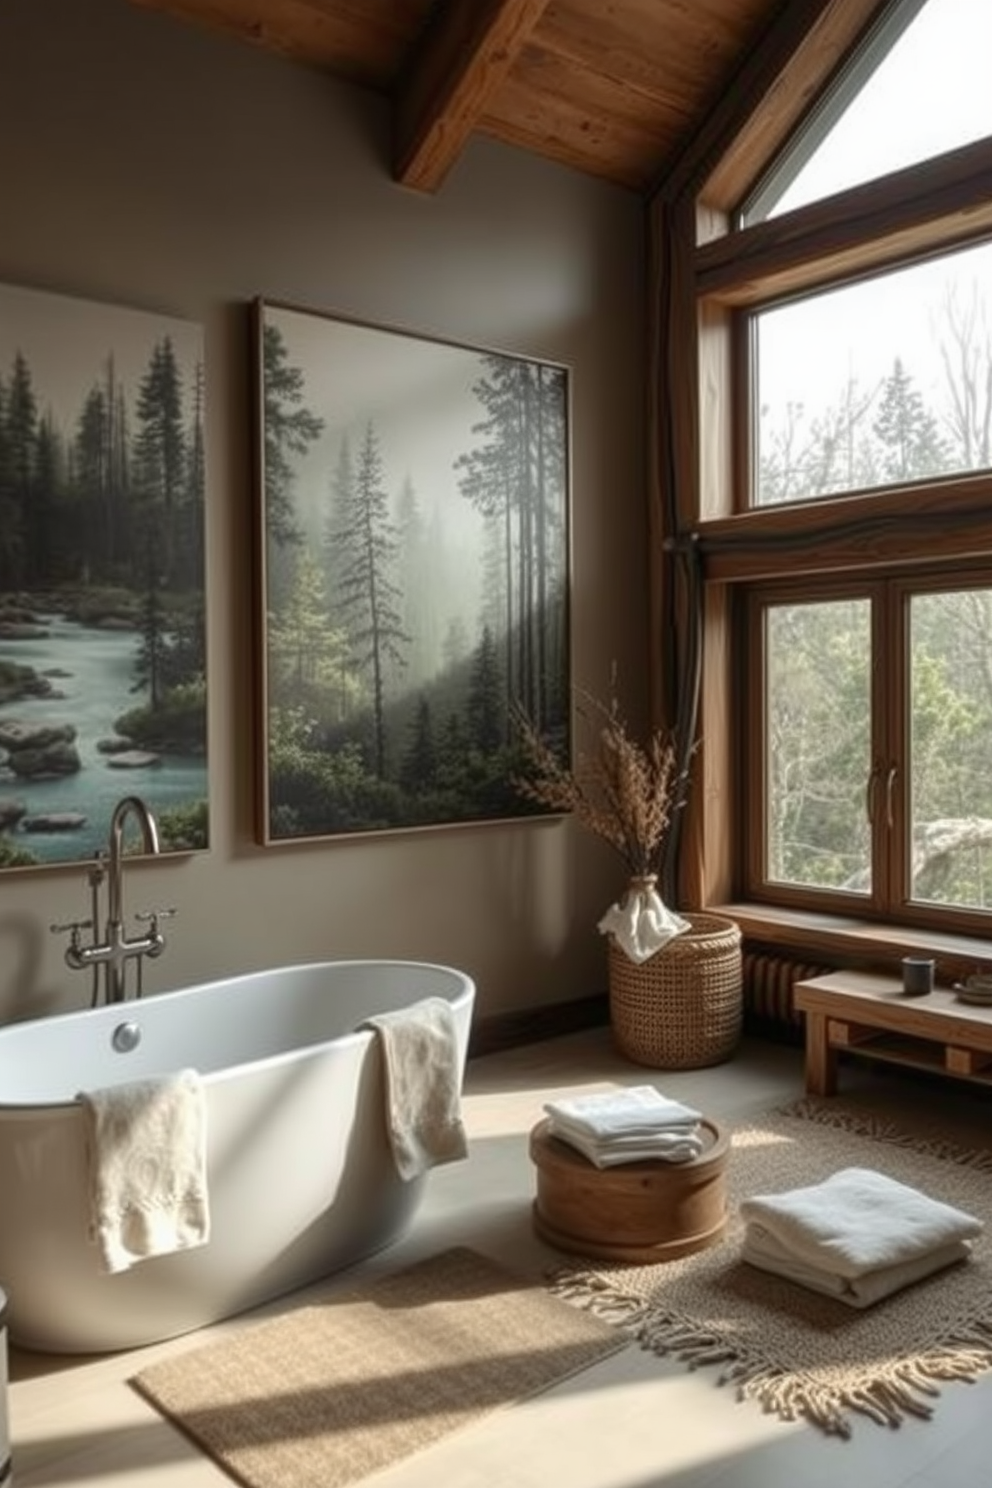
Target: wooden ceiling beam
(466,52)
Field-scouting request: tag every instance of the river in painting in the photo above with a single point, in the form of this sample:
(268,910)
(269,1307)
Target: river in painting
(92,673)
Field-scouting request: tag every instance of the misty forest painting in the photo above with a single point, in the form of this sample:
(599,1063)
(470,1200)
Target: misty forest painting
(413,575)
(103,687)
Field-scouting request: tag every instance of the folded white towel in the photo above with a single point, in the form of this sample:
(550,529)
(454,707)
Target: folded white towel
(146,1155)
(422,1077)
(613,1113)
(762,1250)
(673,1146)
(641,923)
(857,1221)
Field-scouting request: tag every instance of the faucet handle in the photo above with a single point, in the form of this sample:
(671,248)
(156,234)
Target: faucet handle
(152,916)
(72,927)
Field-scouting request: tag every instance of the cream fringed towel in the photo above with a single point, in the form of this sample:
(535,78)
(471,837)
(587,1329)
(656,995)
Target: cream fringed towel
(422,1076)
(146,1153)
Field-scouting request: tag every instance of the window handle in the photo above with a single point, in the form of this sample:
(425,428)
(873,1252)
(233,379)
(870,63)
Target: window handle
(891,776)
(871,792)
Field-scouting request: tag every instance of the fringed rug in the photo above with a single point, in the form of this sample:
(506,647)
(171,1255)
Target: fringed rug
(324,1394)
(799,1354)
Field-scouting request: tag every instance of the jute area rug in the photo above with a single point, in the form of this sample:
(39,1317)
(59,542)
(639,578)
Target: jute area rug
(325,1394)
(800,1354)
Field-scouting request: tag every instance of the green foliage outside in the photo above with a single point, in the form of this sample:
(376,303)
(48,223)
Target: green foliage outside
(818,698)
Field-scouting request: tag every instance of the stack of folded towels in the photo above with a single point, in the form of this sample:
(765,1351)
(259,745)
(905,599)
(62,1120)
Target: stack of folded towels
(858,1236)
(623,1126)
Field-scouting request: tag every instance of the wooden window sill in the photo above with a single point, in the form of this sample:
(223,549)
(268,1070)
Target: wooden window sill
(857,942)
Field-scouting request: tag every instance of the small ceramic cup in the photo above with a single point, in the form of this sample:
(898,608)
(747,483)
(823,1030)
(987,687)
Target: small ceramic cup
(917,975)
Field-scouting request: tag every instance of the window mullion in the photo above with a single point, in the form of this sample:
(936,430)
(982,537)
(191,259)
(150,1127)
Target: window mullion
(890,709)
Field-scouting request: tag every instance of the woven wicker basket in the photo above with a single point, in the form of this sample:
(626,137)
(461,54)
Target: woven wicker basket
(683,1007)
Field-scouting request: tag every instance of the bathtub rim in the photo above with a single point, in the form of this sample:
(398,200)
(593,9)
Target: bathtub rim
(466,991)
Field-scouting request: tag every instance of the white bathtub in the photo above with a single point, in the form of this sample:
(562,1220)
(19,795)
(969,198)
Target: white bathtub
(300,1172)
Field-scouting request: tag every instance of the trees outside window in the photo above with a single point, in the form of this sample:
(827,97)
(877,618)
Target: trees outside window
(879,383)
(838,483)
(875,728)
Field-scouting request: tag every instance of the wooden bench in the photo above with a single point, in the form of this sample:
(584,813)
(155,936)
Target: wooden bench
(862,1013)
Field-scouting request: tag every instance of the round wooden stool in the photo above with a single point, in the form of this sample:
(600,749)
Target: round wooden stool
(635,1213)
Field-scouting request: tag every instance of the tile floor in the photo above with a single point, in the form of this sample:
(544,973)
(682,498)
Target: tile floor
(633,1421)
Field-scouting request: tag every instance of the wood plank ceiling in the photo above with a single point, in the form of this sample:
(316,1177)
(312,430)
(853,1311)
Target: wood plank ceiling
(614,88)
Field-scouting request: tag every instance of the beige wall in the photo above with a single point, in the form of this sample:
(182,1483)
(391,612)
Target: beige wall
(152,165)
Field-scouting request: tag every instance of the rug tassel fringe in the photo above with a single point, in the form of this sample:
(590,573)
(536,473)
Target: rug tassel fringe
(900,1391)
(593,1294)
(870,1124)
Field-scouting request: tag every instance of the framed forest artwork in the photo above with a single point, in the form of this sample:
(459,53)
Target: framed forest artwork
(103,685)
(413,546)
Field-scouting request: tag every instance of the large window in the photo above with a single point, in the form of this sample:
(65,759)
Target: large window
(917,88)
(856,539)
(876,383)
(871,736)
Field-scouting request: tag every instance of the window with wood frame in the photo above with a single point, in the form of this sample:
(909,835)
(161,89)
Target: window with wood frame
(850,299)
(872,728)
(922,69)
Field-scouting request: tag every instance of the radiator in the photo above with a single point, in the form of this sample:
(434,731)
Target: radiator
(769,977)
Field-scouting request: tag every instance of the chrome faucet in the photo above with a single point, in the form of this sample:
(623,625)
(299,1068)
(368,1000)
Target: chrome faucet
(129,806)
(116,949)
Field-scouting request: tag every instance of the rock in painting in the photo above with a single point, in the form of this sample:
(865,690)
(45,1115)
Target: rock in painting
(41,751)
(115,744)
(51,762)
(15,734)
(54,821)
(11,812)
(133,759)
(14,630)
(18,682)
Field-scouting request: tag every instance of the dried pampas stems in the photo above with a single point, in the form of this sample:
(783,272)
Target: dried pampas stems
(624,792)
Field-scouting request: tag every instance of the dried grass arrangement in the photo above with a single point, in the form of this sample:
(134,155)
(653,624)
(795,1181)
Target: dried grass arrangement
(674,982)
(625,792)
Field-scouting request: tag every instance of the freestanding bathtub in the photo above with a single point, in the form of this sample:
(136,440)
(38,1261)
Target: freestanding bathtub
(300,1172)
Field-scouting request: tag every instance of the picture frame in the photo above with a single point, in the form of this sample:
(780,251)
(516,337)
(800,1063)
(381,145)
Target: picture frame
(103,672)
(412,575)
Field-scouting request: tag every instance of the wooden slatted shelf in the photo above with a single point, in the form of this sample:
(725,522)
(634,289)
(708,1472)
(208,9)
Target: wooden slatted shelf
(871,1017)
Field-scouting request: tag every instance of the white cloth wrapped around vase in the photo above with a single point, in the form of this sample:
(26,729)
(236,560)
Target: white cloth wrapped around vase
(641,923)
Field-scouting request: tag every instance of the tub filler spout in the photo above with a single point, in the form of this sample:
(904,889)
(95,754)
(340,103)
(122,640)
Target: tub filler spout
(116,949)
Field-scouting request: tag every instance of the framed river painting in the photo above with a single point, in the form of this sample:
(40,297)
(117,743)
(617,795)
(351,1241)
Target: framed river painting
(412,595)
(103,689)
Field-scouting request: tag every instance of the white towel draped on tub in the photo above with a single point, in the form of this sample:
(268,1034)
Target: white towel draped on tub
(146,1155)
(859,1235)
(422,1076)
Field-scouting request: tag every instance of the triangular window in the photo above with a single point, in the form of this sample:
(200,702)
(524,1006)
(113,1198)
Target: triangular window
(919,88)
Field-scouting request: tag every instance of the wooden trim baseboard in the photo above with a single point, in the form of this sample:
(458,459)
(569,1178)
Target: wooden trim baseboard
(501,1031)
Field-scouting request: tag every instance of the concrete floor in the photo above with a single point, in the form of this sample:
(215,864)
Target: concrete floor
(633,1421)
